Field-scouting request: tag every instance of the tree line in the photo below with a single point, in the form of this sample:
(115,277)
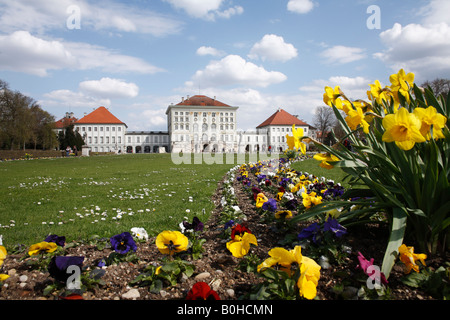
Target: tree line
(23,123)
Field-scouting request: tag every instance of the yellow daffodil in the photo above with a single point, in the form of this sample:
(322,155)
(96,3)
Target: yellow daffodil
(331,96)
(403,128)
(430,117)
(325,158)
(356,118)
(170,242)
(42,247)
(377,93)
(309,278)
(409,258)
(260,200)
(401,83)
(295,141)
(240,246)
(2,254)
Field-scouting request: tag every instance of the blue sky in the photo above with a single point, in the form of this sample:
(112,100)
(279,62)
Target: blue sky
(136,57)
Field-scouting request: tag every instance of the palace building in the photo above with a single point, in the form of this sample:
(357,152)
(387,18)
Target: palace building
(196,124)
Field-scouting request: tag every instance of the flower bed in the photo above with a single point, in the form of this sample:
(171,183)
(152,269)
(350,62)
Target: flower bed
(132,266)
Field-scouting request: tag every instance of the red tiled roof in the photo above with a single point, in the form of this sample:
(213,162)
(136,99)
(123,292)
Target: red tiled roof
(281,117)
(64,122)
(200,100)
(101,115)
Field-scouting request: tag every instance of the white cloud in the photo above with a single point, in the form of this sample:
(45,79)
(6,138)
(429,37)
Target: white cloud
(109,88)
(300,6)
(424,50)
(353,87)
(203,51)
(207,10)
(23,52)
(147,118)
(273,47)
(67,99)
(234,70)
(41,16)
(436,12)
(342,54)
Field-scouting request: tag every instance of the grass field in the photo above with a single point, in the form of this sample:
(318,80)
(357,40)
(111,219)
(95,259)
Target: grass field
(106,195)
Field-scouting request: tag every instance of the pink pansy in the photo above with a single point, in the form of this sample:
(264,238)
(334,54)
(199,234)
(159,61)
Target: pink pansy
(364,264)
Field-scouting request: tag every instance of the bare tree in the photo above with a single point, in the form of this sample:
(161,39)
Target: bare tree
(324,120)
(439,86)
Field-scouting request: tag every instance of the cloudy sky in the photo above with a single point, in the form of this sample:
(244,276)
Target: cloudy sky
(136,57)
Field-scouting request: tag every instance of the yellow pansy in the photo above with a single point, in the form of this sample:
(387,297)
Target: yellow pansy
(430,117)
(409,258)
(310,199)
(3,277)
(42,247)
(170,242)
(309,278)
(240,246)
(286,214)
(2,254)
(403,128)
(283,259)
(260,200)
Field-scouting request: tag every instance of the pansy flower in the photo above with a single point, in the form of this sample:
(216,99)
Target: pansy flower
(170,242)
(239,230)
(333,226)
(270,205)
(196,225)
(409,258)
(312,231)
(239,246)
(202,291)
(43,246)
(2,254)
(59,240)
(122,243)
(58,266)
(283,214)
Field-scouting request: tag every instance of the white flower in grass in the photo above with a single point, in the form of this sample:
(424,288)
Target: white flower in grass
(139,233)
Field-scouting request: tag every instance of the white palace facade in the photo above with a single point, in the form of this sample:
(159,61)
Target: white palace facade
(196,124)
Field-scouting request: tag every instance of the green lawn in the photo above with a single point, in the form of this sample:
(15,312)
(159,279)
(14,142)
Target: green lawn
(312,167)
(106,195)
(103,195)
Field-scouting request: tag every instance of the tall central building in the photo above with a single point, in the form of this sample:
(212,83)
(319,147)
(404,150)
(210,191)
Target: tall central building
(202,124)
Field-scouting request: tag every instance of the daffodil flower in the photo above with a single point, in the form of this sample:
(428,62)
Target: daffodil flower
(429,117)
(378,93)
(170,242)
(403,128)
(409,258)
(42,247)
(240,246)
(331,96)
(325,158)
(356,118)
(294,142)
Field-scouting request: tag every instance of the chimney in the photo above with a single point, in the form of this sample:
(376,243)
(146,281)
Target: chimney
(187,97)
(182,99)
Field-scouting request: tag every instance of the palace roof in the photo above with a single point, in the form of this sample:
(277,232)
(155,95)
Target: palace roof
(281,117)
(101,115)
